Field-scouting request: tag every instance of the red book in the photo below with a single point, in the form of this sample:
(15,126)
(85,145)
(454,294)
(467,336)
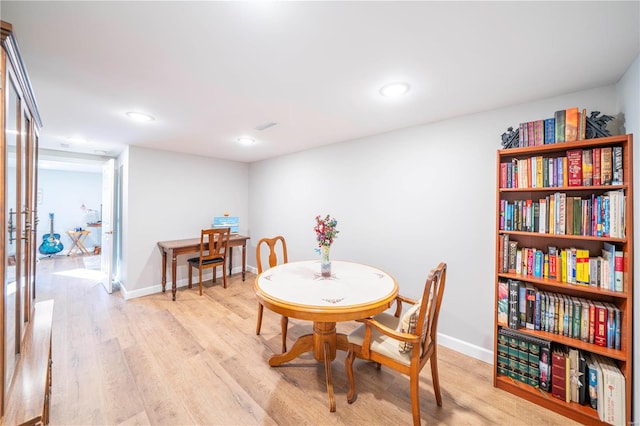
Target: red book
(574,167)
(592,322)
(503,175)
(596,166)
(558,376)
(571,125)
(600,332)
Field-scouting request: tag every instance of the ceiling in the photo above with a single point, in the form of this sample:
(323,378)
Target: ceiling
(211,72)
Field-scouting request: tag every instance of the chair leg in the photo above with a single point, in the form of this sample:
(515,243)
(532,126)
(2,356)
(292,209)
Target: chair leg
(284,322)
(434,377)
(224,275)
(214,274)
(348,362)
(259,322)
(200,275)
(414,380)
(190,274)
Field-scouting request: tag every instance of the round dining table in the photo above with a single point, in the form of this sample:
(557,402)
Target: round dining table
(298,290)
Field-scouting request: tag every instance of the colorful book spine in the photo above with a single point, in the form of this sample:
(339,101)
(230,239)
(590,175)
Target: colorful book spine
(571,124)
(559,118)
(549,131)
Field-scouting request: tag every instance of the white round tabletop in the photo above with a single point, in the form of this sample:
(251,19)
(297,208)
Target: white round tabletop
(350,285)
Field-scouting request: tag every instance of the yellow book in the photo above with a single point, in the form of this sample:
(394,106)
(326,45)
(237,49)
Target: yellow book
(539,181)
(564,266)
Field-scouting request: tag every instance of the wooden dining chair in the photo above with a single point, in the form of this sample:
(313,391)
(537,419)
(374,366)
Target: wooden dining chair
(214,245)
(275,245)
(405,343)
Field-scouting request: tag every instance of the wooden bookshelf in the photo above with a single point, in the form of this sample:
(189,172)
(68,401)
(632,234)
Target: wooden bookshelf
(623,300)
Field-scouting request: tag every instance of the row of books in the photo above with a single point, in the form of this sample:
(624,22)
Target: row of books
(519,356)
(569,265)
(561,214)
(594,322)
(569,374)
(580,167)
(589,379)
(566,125)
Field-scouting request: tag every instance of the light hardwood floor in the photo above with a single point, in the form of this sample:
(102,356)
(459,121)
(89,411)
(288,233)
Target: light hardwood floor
(198,361)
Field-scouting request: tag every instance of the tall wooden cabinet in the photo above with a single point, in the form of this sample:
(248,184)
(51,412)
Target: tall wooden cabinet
(581,237)
(19,121)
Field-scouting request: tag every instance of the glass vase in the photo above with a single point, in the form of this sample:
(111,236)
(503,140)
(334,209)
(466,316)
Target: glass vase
(325,263)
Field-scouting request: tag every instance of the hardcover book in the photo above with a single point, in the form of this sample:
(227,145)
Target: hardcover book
(571,124)
(559,117)
(597,157)
(606,165)
(574,160)
(587,167)
(616,158)
(559,375)
(549,131)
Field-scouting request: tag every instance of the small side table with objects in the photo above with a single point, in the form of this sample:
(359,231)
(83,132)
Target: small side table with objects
(77,239)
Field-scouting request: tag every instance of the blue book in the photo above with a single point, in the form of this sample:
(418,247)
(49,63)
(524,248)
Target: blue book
(538,264)
(549,131)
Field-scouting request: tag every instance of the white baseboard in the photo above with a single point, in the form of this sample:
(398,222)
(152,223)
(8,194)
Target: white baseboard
(466,348)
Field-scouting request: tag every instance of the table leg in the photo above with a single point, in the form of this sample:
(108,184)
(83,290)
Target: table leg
(230,260)
(327,372)
(323,342)
(244,259)
(164,270)
(81,246)
(174,262)
(73,247)
(302,345)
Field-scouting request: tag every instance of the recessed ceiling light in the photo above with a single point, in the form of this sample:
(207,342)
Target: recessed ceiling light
(393,90)
(140,116)
(245,140)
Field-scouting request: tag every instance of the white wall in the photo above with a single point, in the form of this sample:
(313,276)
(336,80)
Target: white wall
(629,102)
(170,196)
(62,193)
(406,200)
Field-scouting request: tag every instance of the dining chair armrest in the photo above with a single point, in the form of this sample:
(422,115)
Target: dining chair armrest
(371,323)
(399,299)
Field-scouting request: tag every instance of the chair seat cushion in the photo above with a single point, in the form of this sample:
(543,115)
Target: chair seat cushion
(195,261)
(380,343)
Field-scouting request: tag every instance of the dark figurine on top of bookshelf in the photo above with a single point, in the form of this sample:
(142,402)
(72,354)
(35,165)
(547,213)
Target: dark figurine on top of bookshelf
(510,138)
(597,126)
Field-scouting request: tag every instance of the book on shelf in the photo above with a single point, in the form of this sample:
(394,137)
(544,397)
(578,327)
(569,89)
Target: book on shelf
(574,160)
(582,125)
(616,166)
(514,303)
(597,157)
(503,302)
(587,167)
(574,374)
(571,124)
(606,165)
(559,118)
(549,131)
(611,391)
(559,374)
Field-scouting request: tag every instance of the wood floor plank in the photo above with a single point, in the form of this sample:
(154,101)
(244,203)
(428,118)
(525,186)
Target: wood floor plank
(197,360)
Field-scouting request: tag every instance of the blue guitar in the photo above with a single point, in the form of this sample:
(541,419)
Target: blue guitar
(51,242)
